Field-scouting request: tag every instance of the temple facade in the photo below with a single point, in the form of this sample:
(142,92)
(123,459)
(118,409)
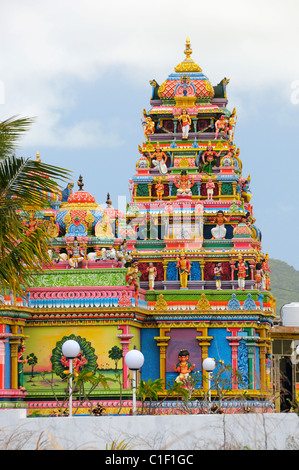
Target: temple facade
(179,273)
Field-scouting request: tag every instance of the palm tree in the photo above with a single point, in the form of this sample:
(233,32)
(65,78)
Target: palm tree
(23,185)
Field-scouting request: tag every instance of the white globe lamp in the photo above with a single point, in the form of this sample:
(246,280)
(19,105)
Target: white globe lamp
(209,364)
(70,349)
(134,359)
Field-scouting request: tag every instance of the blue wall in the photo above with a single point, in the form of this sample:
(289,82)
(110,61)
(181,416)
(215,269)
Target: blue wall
(151,352)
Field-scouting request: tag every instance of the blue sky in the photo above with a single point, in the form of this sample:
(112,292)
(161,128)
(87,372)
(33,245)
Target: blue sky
(83,69)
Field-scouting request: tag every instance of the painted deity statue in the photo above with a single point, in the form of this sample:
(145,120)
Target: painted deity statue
(210,188)
(183,367)
(266,283)
(209,159)
(184,269)
(159,186)
(76,254)
(133,276)
(258,276)
(221,126)
(148,126)
(219,232)
(183,184)
(231,124)
(152,273)
(244,188)
(159,160)
(218,272)
(242,272)
(185,121)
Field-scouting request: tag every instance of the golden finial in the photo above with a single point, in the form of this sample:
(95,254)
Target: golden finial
(38,157)
(188,50)
(188,65)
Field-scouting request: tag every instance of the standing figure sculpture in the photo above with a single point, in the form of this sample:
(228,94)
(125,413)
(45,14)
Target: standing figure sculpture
(184,269)
(185,121)
(231,124)
(152,273)
(159,186)
(209,159)
(218,272)
(242,272)
(258,276)
(210,189)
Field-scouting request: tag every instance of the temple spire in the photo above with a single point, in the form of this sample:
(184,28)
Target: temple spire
(188,65)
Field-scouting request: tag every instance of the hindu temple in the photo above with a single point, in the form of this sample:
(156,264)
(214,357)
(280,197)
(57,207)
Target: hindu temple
(179,273)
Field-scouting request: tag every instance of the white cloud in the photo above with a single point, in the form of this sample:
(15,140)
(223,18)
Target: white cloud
(47,46)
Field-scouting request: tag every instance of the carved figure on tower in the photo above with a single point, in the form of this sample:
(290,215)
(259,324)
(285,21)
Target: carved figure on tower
(76,254)
(148,125)
(133,276)
(258,276)
(221,126)
(185,121)
(159,159)
(159,186)
(209,159)
(184,269)
(183,184)
(210,188)
(242,269)
(244,188)
(152,273)
(219,232)
(218,272)
(231,124)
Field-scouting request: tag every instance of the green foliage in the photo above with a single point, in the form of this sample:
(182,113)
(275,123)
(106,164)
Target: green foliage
(115,445)
(23,183)
(284,283)
(115,354)
(32,361)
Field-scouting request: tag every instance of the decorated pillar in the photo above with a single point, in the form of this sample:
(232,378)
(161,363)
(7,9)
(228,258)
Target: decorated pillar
(251,344)
(263,345)
(125,338)
(234,342)
(204,342)
(165,264)
(14,345)
(162,342)
(202,269)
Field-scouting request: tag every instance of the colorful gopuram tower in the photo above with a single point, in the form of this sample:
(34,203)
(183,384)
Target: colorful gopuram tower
(178,273)
(195,239)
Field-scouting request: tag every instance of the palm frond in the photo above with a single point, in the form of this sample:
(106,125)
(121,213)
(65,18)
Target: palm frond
(25,181)
(11,131)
